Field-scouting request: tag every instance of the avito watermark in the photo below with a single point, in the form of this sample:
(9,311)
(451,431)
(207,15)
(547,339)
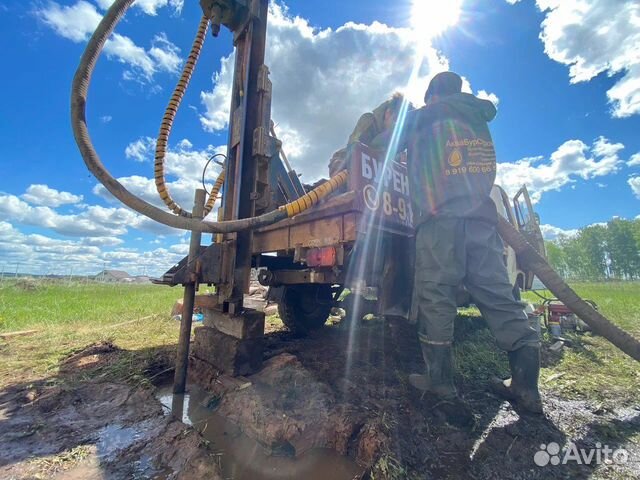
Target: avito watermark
(552,454)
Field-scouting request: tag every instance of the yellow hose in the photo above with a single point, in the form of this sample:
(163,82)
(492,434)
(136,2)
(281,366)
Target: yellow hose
(169,116)
(79,94)
(314,196)
(214,193)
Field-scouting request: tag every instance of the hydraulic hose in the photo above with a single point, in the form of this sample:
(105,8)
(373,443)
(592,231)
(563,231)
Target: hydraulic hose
(598,322)
(170,114)
(314,196)
(214,192)
(79,89)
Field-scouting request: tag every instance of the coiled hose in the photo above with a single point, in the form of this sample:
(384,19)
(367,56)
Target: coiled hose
(214,193)
(79,90)
(170,114)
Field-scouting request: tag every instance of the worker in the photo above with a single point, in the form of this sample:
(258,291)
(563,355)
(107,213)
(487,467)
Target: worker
(452,168)
(393,252)
(368,127)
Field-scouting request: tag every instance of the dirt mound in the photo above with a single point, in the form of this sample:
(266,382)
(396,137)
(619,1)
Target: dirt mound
(92,356)
(346,389)
(289,411)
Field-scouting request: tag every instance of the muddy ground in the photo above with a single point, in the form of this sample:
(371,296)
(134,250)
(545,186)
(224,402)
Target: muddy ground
(342,388)
(61,428)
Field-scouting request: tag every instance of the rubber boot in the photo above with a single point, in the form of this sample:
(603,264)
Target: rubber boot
(522,387)
(437,384)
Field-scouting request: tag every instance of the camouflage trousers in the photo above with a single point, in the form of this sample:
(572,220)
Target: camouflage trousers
(455,251)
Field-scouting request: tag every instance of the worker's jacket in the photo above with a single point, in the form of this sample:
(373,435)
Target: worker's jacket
(369,125)
(451,158)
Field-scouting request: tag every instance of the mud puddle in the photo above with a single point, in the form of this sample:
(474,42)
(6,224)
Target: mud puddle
(242,458)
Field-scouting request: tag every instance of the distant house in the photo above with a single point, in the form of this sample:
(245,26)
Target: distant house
(112,276)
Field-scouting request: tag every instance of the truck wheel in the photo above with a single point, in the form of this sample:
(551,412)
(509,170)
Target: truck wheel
(304,308)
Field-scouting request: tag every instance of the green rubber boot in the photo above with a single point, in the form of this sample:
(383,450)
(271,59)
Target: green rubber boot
(437,386)
(522,387)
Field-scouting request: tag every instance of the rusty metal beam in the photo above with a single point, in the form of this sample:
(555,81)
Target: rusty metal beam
(250,110)
(182,355)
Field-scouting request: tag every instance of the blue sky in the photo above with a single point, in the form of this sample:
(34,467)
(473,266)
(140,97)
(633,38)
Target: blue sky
(565,75)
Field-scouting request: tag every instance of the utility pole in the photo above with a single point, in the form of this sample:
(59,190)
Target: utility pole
(17,267)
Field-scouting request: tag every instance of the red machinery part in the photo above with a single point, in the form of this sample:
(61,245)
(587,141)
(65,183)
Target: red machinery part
(556,311)
(321,257)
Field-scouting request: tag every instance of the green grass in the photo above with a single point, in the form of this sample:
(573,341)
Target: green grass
(42,304)
(594,369)
(68,317)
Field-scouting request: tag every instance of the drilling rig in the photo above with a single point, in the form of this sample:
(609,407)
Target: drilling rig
(307,244)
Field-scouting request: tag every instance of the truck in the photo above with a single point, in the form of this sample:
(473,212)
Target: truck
(309,251)
(353,249)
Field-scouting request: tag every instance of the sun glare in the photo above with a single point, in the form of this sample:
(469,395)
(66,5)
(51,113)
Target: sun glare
(432,17)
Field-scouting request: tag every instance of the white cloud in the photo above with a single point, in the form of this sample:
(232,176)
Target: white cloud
(78,21)
(492,97)
(181,161)
(217,101)
(596,36)
(181,190)
(88,221)
(14,209)
(102,241)
(549,232)
(43,195)
(602,148)
(573,159)
(165,53)
(75,22)
(106,118)
(41,254)
(150,7)
(125,51)
(315,71)
(183,174)
(634,161)
(634,183)
(141,149)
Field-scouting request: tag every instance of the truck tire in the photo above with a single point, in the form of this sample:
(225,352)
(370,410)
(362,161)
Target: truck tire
(305,308)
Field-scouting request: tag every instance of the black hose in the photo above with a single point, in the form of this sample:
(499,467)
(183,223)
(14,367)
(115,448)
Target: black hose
(79,90)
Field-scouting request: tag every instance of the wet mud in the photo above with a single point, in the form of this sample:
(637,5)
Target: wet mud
(335,404)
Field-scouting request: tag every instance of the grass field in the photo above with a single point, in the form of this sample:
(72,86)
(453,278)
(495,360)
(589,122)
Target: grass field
(594,369)
(136,318)
(70,316)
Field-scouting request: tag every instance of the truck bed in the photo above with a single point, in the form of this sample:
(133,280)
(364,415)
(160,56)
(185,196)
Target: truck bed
(372,204)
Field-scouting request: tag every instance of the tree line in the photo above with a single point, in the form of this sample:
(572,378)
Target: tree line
(598,252)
